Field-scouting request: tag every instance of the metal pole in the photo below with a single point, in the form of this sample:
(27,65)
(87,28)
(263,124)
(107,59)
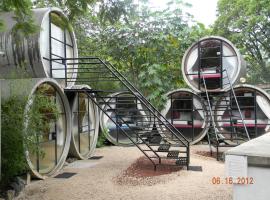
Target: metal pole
(221,64)
(50,45)
(255,113)
(199,65)
(79,132)
(89,124)
(237,105)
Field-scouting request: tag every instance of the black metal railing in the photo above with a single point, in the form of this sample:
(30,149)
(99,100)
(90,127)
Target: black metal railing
(104,79)
(213,116)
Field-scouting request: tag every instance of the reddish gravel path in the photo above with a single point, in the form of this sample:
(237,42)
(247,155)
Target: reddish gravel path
(142,167)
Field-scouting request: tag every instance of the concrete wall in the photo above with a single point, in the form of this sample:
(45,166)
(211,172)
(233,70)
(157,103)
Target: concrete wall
(259,190)
(250,160)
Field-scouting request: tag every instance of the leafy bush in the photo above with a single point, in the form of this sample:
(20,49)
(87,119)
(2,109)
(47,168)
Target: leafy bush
(102,140)
(13,160)
(16,139)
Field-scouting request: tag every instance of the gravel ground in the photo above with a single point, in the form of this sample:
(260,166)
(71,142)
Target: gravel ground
(106,178)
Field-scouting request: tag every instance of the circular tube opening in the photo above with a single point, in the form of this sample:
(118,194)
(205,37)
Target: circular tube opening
(55,39)
(254,104)
(186,112)
(57,29)
(128,111)
(85,125)
(207,59)
(53,139)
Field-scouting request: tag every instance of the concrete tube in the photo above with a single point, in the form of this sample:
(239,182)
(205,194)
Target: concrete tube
(130,110)
(212,63)
(54,142)
(85,123)
(29,57)
(187,112)
(254,104)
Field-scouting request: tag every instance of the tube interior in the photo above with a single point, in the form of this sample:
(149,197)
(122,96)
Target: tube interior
(207,59)
(56,32)
(51,140)
(185,111)
(255,109)
(124,107)
(83,123)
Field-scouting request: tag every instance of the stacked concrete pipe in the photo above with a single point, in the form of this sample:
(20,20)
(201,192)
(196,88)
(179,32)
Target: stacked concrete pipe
(31,59)
(232,61)
(85,121)
(191,120)
(112,133)
(257,118)
(56,141)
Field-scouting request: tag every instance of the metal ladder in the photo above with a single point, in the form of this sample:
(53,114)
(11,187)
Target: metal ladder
(170,148)
(215,137)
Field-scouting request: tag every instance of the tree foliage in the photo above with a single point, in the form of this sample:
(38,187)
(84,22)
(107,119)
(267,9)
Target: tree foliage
(72,8)
(23,15)
(247,24)
(22,130)
(146,45)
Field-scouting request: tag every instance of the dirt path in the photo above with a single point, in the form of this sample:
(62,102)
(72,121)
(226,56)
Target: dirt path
(99,180)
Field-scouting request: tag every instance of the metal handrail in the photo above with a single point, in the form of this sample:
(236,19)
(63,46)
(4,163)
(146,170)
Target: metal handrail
(210,108)
(126,134)
(238,107)
(155,110)
(157,116)
(131,88)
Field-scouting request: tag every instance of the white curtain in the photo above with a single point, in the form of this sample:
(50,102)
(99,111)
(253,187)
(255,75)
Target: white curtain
(197,104)
(264,105)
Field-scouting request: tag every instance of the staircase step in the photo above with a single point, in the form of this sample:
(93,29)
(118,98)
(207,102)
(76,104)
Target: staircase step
(146,133)
(164,147)
(173,154)
(145,136)
(156,139)
(181,161)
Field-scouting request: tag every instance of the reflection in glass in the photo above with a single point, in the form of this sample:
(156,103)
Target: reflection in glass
(128,112)
(83,123)
(254,107)
(186,113)
(51,138)
(207,59)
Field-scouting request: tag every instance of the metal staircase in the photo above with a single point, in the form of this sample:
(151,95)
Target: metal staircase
(217,136)
(151,133)
(212,79)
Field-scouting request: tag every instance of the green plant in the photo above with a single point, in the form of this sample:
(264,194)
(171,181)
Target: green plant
(13,162)
(23,129)
(43,111)
(102,138)
(62,22)
(246,24)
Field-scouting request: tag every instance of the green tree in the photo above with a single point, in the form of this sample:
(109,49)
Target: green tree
(140,42)
(72,8)
(247,24)
(16,137)
(147,46)
(23,16)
